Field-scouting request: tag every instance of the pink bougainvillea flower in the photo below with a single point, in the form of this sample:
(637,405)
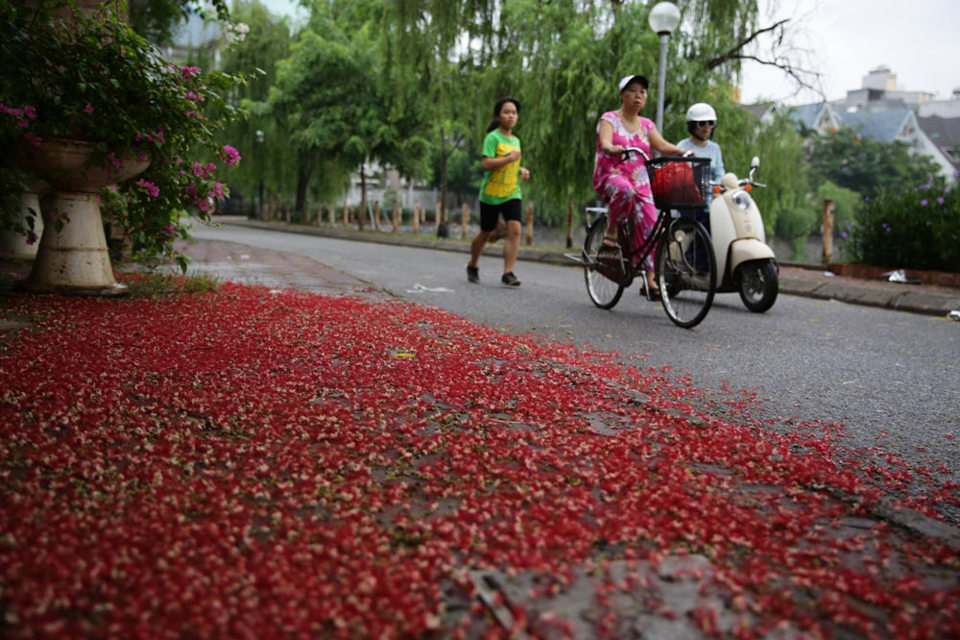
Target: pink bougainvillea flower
(114,160)
(203,171)
(217,192)
(149,187)
(203,204)
(30,112)
(151,136)
(88,108)
(230,155)
(33,139)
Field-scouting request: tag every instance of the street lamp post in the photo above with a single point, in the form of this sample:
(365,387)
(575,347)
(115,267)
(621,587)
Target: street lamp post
(259,135)
(664,18)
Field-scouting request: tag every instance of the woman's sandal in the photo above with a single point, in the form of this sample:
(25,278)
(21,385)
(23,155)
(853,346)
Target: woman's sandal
(651,293)
(610,247)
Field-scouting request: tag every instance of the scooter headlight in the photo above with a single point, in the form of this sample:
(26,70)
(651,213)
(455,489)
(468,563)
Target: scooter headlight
(742,200)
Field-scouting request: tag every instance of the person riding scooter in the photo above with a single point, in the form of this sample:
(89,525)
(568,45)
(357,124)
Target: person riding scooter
(701,123)
(745,263)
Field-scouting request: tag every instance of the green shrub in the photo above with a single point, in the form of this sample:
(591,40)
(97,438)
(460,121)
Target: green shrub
(915,229)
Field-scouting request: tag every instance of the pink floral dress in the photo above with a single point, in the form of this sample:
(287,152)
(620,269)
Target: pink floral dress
(625,186)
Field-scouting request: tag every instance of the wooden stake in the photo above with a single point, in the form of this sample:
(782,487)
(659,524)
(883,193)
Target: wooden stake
(464,220)
(827,231)
(530,224)
(569,224)
(416,217)
(397,213)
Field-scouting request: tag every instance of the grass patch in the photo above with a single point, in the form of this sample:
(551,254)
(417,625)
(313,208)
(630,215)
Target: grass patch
(156,285)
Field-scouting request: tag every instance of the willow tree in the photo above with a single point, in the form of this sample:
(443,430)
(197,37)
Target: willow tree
(562,59)
(260,138)
(334,95)
(323,90)
(424,40)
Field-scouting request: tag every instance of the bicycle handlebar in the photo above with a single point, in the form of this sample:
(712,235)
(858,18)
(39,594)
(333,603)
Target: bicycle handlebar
(628,150)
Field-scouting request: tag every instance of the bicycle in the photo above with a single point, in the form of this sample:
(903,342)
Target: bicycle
(685,266)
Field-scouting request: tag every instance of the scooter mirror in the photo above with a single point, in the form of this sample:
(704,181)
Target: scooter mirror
(755,162)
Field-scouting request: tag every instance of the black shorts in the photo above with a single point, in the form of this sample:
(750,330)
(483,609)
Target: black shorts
(489,213)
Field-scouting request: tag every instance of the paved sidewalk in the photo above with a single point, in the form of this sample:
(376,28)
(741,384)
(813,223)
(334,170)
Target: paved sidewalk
(252,265)
(812,281)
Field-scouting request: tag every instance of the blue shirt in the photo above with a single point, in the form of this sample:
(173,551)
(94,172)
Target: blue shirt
(712,151)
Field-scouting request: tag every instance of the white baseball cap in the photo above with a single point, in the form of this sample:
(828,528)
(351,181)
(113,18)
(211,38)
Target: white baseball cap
(625,80)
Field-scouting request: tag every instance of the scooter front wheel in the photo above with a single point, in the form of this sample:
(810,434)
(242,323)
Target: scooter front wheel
(759,284)
(686,272)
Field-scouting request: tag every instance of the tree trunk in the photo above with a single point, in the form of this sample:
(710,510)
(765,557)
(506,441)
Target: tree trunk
(362,213)
(442,206)
(304,170)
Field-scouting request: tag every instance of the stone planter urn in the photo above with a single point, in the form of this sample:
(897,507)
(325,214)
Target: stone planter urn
(15,245)
(75,258)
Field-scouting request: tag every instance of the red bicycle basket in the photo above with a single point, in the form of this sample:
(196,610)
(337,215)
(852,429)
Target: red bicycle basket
(679,183)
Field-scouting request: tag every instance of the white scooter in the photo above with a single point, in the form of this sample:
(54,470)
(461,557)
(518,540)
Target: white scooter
(745,263)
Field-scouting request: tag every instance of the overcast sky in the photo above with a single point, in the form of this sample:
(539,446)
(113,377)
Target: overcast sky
(919,40)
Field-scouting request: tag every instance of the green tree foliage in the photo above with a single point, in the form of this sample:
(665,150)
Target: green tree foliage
(323,90)
(456,163)
(562,59)
(913,228)
(783,168)
(846,203)
(334,99)
(852,160)
(157,19)
(412,82)
(268,158)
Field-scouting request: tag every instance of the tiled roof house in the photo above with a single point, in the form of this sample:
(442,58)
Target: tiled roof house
(881,113)
(944,134)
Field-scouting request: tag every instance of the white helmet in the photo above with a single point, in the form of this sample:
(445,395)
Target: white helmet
(701,111)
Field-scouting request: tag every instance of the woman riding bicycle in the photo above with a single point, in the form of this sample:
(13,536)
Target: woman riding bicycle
(623,182)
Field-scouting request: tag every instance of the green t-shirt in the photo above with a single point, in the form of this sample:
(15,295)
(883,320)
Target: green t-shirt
(501,184)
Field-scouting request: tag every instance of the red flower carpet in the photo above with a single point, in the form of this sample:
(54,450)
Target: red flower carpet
(254,464)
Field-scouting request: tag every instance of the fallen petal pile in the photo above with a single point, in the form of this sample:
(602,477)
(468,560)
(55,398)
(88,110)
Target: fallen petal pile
(254,464)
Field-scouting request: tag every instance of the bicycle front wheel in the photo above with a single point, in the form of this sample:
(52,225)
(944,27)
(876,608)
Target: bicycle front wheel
(686,272)
(604,292)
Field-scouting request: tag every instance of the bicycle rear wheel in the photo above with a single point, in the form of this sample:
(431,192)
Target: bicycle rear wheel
(686,272)
(604,293)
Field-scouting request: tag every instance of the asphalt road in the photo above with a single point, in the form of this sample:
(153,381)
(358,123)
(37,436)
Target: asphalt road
(891,378)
